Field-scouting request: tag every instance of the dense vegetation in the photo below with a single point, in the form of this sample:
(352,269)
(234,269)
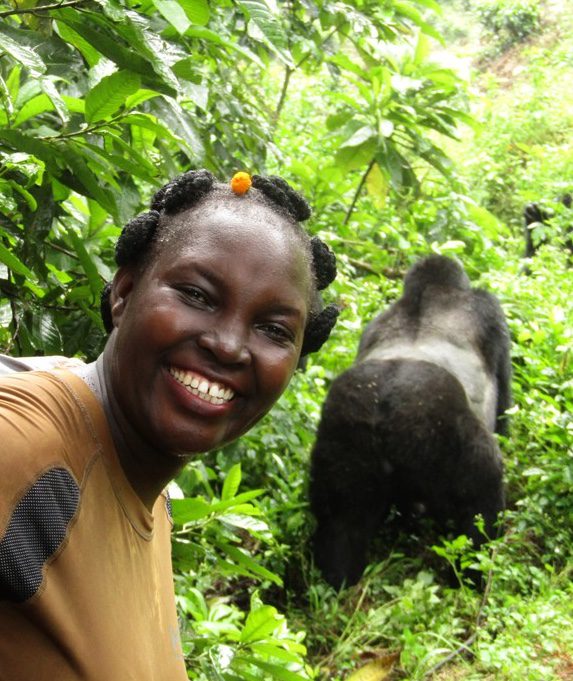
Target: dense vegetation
(405,144)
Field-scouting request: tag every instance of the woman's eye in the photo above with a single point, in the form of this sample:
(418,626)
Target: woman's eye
(193,295)
(277,332)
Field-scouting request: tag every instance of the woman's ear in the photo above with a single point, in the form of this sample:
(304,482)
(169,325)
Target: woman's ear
(121,287)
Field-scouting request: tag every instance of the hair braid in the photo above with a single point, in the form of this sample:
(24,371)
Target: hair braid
(283,195)
(324,262)
(135,238)
(183,191)
(318,329)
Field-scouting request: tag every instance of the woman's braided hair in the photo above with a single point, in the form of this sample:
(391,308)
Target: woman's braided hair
(135,241)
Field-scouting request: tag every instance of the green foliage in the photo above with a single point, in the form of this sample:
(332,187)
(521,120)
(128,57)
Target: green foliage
(218,535)
(508,22)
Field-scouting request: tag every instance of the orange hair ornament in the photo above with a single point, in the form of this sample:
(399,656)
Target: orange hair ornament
(241,183)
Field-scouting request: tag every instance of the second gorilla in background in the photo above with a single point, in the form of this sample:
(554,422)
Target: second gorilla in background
(410,423)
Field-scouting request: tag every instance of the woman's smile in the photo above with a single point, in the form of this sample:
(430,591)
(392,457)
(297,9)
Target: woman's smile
(198,385)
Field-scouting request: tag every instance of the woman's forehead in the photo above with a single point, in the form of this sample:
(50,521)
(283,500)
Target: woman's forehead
(243,224)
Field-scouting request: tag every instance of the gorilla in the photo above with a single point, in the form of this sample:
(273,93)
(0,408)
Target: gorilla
(534,216)
(409,426)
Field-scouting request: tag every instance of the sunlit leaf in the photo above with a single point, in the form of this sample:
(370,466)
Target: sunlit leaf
(22,53)
(196,10)
(110,94)
(260,624)
(232,482)
(174,14)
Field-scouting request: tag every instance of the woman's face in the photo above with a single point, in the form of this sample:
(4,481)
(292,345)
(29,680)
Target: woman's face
(208,335)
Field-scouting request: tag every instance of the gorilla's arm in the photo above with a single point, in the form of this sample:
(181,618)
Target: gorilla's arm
(494,341)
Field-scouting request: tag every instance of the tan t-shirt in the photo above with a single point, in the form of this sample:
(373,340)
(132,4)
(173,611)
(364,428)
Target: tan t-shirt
(86,586)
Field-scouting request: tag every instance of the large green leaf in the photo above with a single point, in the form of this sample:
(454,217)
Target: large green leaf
(14,263)
(57,100)
(174,14)
(88,265)
(196,10)
(22,53)
(232,482)
(110,94)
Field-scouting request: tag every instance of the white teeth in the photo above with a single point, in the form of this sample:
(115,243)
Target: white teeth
(210,392)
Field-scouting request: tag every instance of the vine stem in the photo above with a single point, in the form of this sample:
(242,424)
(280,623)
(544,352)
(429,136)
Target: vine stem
(289,70)
(288,73)
(358,190)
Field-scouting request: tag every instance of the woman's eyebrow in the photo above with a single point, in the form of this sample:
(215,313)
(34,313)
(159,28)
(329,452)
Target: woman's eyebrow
(279,307)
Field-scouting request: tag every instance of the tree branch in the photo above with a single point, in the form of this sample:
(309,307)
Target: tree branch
(42,8)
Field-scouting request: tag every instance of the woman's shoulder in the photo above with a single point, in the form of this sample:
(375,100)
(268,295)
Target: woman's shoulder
(46,422)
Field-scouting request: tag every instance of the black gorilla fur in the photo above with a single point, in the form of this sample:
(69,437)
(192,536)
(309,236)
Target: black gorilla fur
(410,424)
(533,216)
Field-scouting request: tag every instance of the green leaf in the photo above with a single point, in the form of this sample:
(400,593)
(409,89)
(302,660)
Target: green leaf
(210,36)
(41,103)
(172,11)
(219,506)
(196,10)
(6,99)
(274,650)
(416,18)
(50,90)
(260,624)
(364,134)
(249,564)
(94,280)
(110,94)
(232,482)
(355,157)
(180,123)
(275,671)
(30,200)
(15,264)
(23,54)
(83,180)
(91,55)
(44,151)
(482,217)
(189,510)
(377,186)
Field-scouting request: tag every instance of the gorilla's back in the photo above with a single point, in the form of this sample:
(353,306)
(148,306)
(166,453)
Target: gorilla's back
(444,333)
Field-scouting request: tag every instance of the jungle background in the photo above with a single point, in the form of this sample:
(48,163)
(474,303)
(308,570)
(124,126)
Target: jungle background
(412,127)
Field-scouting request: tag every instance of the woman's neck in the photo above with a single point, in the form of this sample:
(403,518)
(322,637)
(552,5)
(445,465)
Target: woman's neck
(147,470)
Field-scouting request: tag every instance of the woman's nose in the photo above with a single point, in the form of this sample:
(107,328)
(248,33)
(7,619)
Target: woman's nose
(226,342)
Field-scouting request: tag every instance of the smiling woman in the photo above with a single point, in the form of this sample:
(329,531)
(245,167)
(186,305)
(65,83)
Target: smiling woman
(214,301)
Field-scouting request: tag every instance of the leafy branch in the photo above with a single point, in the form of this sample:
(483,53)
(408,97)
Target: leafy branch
(42,8)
